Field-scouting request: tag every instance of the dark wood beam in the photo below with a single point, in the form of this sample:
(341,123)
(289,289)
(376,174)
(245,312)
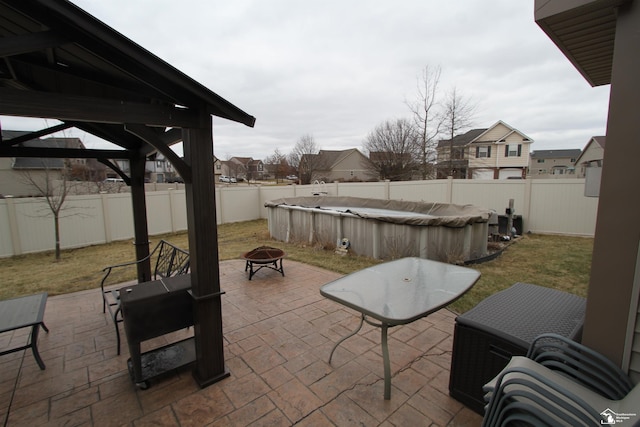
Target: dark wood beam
(64,107)
(113,133)
(16,45)
(63,153)
(154,139)
(141,231)
(37,134)
(172,136)
(203,250)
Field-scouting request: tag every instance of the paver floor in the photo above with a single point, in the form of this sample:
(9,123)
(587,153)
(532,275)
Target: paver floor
(278,332)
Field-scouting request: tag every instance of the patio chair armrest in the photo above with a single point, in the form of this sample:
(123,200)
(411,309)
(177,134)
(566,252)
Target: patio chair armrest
(521,391)
(108,269)
(585,365)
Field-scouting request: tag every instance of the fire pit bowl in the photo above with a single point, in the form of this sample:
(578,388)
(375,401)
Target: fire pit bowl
(264,256)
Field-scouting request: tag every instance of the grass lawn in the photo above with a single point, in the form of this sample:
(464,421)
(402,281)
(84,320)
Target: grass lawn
(555,261)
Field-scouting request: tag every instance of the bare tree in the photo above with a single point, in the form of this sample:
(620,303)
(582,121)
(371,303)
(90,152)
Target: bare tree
(277,165)
(393,147)
(458,114)
(426,118)
(54,192)
(303,157)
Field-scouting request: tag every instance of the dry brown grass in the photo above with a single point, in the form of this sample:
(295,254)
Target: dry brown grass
(555,261)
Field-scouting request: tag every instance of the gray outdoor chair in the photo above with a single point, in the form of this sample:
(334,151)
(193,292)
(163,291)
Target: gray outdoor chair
(560,382)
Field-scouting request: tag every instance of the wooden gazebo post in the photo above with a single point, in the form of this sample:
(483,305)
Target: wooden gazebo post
(203,248)
(140,228)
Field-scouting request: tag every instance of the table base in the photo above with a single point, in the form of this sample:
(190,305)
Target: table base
(385,351)
(32,344)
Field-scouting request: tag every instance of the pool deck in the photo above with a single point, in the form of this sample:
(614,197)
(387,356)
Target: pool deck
(278,332)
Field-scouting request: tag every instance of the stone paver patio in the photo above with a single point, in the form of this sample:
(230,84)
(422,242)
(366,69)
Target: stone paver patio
(278,334)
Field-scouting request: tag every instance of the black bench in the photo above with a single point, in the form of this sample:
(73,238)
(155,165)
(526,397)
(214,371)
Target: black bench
(170,260)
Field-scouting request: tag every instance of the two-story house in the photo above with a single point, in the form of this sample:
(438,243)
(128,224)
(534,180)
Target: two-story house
(553,163)
(497,152)
(159,169)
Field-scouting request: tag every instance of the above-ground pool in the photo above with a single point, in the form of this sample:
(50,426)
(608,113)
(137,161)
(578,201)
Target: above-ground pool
(383,229)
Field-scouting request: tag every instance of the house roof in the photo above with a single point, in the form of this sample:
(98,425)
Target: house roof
(60,62)
(476,136)
(328,159)
(556,154)
(599,140)
(41,162)
(464,139)
(242,160)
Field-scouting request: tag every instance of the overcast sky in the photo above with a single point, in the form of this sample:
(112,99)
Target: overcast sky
(337,69)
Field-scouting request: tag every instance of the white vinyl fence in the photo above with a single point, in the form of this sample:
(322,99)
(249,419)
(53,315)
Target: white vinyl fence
(26,224)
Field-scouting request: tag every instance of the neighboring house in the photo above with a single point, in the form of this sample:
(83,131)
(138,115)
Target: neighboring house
(330,166)
(255,169)
(498,152)
(553,163)
(239,168)
(229,168)
(592,156)
(15,172)
(158,169)
(217,168)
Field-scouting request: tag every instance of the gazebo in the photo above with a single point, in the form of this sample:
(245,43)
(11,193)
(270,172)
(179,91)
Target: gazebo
(59,62)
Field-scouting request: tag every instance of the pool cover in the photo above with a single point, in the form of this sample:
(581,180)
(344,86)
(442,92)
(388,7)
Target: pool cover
(393,211)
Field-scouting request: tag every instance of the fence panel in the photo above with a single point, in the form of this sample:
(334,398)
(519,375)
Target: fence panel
(434,191)
(81,222)
(119,216)
(490,194)
(6,239)
(26,225)
(159,220)
(562,209)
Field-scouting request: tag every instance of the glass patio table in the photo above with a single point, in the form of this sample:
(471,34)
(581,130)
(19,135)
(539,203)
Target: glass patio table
(397,293)
(24,312)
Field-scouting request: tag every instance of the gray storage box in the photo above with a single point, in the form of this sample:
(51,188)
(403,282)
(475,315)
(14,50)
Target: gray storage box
(503,325)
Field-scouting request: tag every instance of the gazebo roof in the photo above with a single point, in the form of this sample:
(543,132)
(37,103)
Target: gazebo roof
(60,62)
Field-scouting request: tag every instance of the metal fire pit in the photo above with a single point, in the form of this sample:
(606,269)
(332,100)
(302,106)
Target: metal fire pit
(263,256)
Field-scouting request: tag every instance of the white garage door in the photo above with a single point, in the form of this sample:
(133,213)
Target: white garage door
(483,174)
(510,173)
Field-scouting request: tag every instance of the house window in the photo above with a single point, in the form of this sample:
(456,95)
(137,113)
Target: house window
(457,154)
(159,164)
(512,150)
(542,171)
(540,160)
(483,152)
(260,167)
(218,167)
